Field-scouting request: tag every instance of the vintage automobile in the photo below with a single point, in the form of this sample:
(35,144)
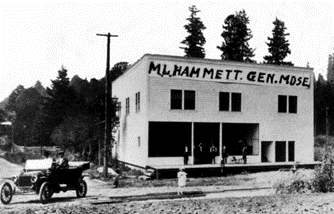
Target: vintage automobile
(44,177)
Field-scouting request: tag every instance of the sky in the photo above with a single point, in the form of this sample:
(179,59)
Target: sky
(39,37)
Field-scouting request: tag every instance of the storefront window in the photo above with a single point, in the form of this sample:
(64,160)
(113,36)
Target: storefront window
(237,135)
(168,139)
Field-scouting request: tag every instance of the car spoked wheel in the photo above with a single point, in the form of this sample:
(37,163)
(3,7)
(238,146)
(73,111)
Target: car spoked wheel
(6,192)
(81,188)
(45,192)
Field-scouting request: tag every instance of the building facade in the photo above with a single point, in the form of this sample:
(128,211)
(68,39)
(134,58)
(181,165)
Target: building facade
(169,103)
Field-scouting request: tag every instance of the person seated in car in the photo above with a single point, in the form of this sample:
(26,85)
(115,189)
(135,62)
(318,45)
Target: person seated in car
(62,162)
(46,154)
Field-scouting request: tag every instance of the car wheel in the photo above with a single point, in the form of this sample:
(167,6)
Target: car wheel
(81,188)
(45,193)
(6,193)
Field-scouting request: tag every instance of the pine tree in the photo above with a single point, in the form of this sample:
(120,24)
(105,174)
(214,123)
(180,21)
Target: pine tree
(11,105)
(195,41)
(39,87)
(236,35)
(330,69)
(61,97)
(278,45)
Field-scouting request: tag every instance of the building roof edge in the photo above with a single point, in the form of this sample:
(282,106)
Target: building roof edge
(213,61)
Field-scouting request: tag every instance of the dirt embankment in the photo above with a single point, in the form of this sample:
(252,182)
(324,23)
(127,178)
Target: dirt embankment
(8,170)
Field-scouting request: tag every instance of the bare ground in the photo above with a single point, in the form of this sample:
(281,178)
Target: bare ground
(308,203)
(226,202)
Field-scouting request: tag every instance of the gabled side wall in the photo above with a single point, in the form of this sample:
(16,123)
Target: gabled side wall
(133,125)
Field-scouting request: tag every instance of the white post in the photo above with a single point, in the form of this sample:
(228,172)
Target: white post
(191,159)
(220,142)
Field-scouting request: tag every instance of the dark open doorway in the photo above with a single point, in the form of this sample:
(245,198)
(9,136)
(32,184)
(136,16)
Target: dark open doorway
(204,135)
(267,151)
(237,135)
(280,151)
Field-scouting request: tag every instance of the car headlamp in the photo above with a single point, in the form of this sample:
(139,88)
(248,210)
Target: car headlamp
(33,179)
(15,178)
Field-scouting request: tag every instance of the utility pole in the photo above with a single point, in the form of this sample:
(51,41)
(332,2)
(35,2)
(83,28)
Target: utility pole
(108,94)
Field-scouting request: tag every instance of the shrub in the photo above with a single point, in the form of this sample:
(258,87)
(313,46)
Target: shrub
(323,179)
(295,183)
(318,153)
(320,140)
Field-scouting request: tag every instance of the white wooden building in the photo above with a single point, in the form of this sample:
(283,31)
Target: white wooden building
(169,102)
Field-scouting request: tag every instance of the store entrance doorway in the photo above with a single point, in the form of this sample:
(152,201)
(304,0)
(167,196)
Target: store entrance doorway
(205,135)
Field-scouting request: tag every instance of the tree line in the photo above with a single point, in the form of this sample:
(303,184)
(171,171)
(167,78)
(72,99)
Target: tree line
(69,113)
(324,99)
(236,35)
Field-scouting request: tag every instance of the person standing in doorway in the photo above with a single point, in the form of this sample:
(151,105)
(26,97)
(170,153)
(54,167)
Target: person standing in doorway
(186,155)
(199,153)
(213,151)
(224,155)
(244,153)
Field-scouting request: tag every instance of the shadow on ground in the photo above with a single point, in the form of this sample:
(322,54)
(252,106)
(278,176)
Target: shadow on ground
(152,196)
(52,200)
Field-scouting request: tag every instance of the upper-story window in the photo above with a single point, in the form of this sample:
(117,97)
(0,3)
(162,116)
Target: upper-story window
(127,105)
(292,104)
(182,99)
(287,104)
(189,100)
(229,101)
(175,99)
(224,101)
(236,102)
(138,102)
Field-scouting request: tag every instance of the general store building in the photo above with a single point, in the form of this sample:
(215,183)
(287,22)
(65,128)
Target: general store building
(169,102)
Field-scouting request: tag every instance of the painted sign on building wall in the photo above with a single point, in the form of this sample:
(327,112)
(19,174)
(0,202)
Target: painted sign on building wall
(225,74)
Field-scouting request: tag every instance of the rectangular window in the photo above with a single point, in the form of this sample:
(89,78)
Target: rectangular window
(189,100)
(280,153)
(127,107)
(236,101)
(171,143)
(119,107)
(138,102)
(224,101)
(138,141)
(292,104)
(282,103)
(291,151)
(176,99)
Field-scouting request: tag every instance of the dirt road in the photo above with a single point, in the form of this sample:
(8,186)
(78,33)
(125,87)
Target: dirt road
(99,197)
(103,198)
